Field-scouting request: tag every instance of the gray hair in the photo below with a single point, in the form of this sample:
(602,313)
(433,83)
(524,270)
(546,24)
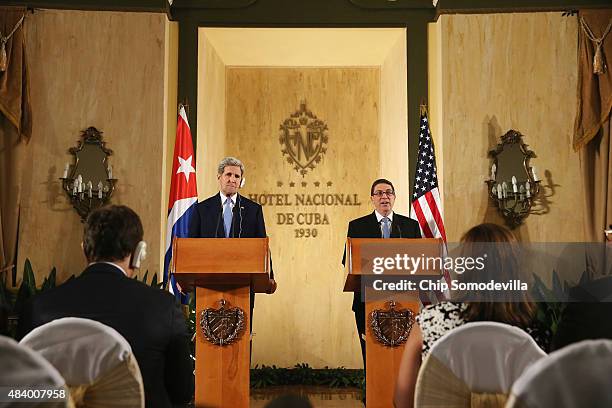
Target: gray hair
(230,161)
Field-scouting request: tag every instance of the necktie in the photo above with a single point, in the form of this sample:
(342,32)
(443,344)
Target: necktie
(386,233)
(227,216)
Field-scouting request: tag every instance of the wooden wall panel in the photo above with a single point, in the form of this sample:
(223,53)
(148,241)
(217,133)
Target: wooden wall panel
(211,116)
(102,69)
(499,72)
(309,319)
(170,122)
(394,161)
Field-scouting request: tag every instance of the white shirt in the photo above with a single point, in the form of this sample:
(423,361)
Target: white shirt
(232,201)
(379,218)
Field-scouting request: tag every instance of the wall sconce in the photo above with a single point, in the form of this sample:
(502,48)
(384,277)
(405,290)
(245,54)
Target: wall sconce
(514,184)
(89,182)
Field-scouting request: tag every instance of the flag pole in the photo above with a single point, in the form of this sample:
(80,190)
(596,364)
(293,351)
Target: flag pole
(184,104)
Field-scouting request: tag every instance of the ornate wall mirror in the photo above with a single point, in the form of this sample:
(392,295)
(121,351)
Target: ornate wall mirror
(514,183)
(89,181)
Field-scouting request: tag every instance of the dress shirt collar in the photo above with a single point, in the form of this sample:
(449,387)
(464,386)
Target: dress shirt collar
(379,217)
(232,199)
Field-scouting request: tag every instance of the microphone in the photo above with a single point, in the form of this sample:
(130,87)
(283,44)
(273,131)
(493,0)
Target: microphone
(399,230)
(234,215)
(218,221)
(240,208)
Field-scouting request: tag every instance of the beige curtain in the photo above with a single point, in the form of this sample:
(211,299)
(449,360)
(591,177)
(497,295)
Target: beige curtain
(592,126)
(15,132)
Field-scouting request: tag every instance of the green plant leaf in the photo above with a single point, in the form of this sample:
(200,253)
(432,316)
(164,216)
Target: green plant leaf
(303,374)
(27,289)
(49,281)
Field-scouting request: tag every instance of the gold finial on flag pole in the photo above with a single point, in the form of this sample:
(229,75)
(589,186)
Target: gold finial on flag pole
(184,104)
(423,108)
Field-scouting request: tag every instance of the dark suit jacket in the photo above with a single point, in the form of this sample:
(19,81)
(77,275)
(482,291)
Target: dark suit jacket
(247,221)
(149,319)
(369,227)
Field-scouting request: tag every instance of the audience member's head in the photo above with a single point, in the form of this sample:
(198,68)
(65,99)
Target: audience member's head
(111,234)
(289,401)
(499,249)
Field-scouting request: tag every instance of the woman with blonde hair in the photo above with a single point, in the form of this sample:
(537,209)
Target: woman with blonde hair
(501,264)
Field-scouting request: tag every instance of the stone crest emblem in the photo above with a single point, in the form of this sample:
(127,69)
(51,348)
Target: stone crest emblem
(224,325)
(392,326)
(303,138)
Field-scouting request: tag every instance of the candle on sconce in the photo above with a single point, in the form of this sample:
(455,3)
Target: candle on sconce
(110,172)
(535,176)
(504,189)
(493,170)
(499,192)
(514,187)
(80,183)
(75,187)
(521,193)
(99,190)
(494,190)
(66,167)
(528,189)
(89,189)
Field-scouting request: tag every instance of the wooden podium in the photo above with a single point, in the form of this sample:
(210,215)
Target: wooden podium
(382,362)
(222,268)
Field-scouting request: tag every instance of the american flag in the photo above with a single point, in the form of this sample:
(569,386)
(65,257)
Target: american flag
(426,207)
(183,193)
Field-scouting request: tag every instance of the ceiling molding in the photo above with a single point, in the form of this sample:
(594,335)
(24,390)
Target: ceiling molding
(152,6)
(515,6)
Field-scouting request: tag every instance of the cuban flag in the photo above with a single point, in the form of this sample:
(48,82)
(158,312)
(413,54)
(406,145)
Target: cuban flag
(183,193)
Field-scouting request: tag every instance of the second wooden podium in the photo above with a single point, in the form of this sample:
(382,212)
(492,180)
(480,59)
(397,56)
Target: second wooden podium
(391,312)
(223,271)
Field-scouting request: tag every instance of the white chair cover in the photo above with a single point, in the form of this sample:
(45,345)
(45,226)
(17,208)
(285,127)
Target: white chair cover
(22,367)
(475,365)
(579,375)
(94,359)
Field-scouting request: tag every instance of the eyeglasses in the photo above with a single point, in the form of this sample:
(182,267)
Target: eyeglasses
(380,193)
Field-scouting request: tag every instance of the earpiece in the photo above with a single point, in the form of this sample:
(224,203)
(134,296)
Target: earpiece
(139,255)
(242,182)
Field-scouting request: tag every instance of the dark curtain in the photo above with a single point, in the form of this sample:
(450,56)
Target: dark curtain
(15,132)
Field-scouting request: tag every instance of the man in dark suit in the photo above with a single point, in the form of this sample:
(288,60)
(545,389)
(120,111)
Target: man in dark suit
(149,318)
(382,223)
(227,214)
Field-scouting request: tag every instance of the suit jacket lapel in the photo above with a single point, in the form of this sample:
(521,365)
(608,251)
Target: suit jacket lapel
(216,218)
(374,226)
(235,220)
(395,227)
